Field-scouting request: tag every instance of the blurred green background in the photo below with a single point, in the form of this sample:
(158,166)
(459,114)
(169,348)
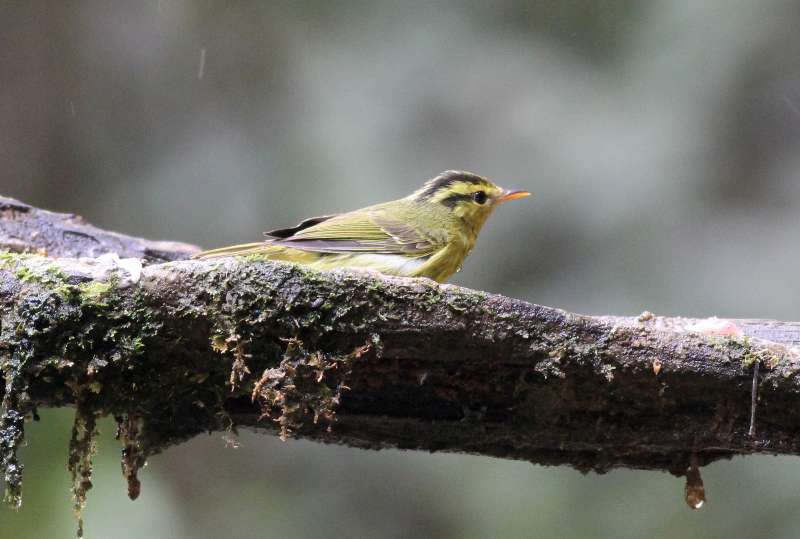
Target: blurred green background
(661,140)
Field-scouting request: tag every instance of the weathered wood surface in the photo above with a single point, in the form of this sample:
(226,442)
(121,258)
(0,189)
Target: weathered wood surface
(173,349)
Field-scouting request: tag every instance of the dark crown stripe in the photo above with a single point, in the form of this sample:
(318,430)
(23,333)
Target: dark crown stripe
(448,178)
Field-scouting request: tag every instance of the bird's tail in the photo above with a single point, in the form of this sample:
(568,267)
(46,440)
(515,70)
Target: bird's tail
(237,250)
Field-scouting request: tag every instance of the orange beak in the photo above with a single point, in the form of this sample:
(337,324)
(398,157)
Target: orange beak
(513,195)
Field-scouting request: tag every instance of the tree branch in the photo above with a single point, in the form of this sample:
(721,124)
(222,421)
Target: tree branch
(25,228)
(179,348)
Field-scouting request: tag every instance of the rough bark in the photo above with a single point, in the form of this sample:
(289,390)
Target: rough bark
(174,349)
(24,228)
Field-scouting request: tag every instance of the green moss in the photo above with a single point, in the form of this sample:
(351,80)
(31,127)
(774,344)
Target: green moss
(752,355)
(93,291)
(9,260)
(31,268)
(749,355)
(56,274)
(253,258)
(35,269)
(12,434)
(82,447)
(93,331)
(376,286)
(129,430)
(431,299)
(13,366)
(305,388)
(465,302)
(90,327)
(24,274)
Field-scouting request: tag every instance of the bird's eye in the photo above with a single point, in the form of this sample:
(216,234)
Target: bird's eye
(479,197)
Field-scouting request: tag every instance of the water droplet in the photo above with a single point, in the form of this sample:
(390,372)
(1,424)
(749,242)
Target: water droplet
(695,492)
(201,67)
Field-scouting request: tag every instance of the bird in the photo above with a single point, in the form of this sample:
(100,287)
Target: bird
(429,233)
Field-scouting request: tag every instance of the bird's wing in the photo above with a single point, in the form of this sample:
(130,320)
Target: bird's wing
(357,232)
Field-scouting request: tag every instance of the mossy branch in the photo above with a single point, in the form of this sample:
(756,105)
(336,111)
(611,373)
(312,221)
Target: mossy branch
(180,348)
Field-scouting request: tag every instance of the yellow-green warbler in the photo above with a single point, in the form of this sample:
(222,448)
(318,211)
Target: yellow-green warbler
(426,234)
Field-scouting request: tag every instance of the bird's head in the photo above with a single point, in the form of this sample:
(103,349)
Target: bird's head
(469,197)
